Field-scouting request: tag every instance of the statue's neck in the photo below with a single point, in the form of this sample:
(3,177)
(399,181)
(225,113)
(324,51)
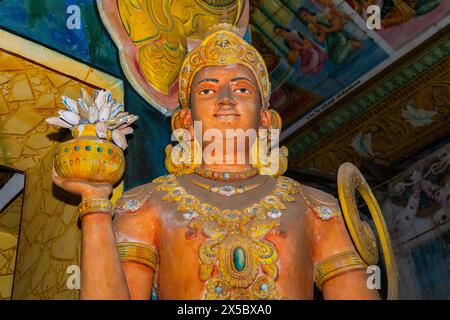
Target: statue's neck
(229,160)
(226,167)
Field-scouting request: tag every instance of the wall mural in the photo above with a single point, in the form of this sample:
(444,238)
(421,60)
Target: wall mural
(32,81)
(417,211)
(419,200)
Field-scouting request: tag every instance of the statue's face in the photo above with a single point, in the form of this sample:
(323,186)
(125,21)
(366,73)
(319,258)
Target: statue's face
(227,97)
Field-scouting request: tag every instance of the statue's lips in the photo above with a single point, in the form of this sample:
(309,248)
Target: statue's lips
(226,114)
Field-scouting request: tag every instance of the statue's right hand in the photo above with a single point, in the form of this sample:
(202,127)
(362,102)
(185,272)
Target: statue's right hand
(87,189)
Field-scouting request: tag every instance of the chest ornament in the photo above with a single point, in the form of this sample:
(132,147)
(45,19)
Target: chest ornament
(236,261)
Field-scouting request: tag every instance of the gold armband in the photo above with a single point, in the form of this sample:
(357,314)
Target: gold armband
(95,206)
(138,252)
(335,265)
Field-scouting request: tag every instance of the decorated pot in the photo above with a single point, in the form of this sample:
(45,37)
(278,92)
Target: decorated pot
(89,158)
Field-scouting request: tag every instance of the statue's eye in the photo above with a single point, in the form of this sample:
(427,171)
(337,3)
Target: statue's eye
(206,91)
(242,90)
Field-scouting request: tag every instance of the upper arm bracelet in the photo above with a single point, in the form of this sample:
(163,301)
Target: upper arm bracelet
(332,266)
(139,253)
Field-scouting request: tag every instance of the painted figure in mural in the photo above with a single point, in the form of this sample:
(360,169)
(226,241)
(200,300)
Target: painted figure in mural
(312,56)
(218,229)
(329,30)
(395,12)
(329,8)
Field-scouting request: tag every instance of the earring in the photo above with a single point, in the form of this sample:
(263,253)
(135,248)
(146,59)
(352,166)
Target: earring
(262,155)
(184,157)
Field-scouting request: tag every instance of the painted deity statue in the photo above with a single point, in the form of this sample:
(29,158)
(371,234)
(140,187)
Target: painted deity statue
(218,229)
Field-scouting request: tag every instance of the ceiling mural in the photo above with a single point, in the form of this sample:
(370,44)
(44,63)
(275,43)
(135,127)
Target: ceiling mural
(324,47)
(402,21)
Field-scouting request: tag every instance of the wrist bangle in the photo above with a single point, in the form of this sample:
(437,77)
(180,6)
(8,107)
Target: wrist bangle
(91,206)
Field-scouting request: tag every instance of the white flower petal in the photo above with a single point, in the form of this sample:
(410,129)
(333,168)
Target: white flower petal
(83,105)
(93,115)
(100,99)
(108,96)
(70,104)
(117,122)
(115,110)
(131,118)
(83,110)
(70,117)
(55,121)
(126,130)
(122,114)
(86,97)
(119,139)
(104,113)
(100,129)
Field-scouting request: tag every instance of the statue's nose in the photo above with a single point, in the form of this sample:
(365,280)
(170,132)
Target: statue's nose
(225,98)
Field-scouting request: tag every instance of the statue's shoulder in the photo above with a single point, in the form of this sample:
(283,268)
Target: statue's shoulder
(324,204)
(132,200)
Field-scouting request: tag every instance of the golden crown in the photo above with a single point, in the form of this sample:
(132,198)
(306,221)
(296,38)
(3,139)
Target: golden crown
(223,47)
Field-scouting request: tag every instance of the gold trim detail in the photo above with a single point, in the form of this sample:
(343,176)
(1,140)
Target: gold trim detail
(322,209)
(350,180)
(91,206)
(226,176)
(139,253)
(339,263)
(226,190)
(236,260)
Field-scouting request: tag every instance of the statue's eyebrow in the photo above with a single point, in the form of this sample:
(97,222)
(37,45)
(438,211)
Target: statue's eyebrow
(209,80)
(241,78)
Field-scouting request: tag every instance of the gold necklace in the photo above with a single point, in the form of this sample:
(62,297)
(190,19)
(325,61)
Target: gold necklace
(236,260)
(226,190)
(226,176)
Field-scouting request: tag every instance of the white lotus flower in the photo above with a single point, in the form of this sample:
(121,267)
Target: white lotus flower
(100,110)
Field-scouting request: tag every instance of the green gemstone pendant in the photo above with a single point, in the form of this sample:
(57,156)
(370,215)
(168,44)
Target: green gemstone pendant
(239,259)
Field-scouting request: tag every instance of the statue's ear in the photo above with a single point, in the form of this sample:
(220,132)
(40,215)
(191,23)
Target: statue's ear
(186,120)
(265,118)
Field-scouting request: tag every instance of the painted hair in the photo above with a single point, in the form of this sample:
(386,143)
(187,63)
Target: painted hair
(303,9)
(281,28)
